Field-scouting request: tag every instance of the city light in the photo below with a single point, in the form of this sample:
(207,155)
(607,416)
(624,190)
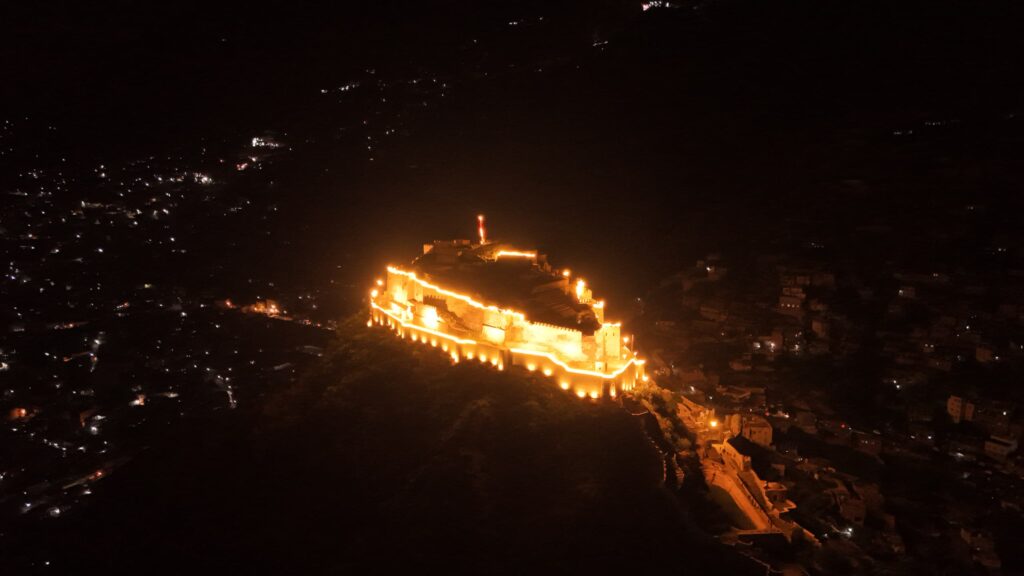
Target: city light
(154,279)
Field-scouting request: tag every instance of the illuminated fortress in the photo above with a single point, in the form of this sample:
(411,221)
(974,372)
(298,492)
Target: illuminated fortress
(488,302)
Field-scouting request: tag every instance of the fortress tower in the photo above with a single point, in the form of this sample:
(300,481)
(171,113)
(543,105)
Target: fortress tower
(490,302)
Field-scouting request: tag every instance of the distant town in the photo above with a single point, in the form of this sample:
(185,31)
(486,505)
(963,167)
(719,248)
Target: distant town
(725,287)
(752,363)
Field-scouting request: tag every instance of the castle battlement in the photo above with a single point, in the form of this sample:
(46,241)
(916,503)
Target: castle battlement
(563,329)
(493,303)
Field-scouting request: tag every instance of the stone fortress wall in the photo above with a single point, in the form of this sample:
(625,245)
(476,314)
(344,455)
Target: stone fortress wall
(590,366)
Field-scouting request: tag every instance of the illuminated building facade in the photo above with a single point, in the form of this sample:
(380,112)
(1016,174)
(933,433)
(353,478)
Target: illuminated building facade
(491,303)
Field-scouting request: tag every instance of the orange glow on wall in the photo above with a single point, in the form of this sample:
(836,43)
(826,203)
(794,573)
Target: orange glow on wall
(515,253)
(412,306)
(412,276)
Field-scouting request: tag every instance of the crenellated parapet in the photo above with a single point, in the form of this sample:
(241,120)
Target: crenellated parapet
(587,358)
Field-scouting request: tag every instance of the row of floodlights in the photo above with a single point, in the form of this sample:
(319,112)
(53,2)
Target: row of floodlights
(484,358)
